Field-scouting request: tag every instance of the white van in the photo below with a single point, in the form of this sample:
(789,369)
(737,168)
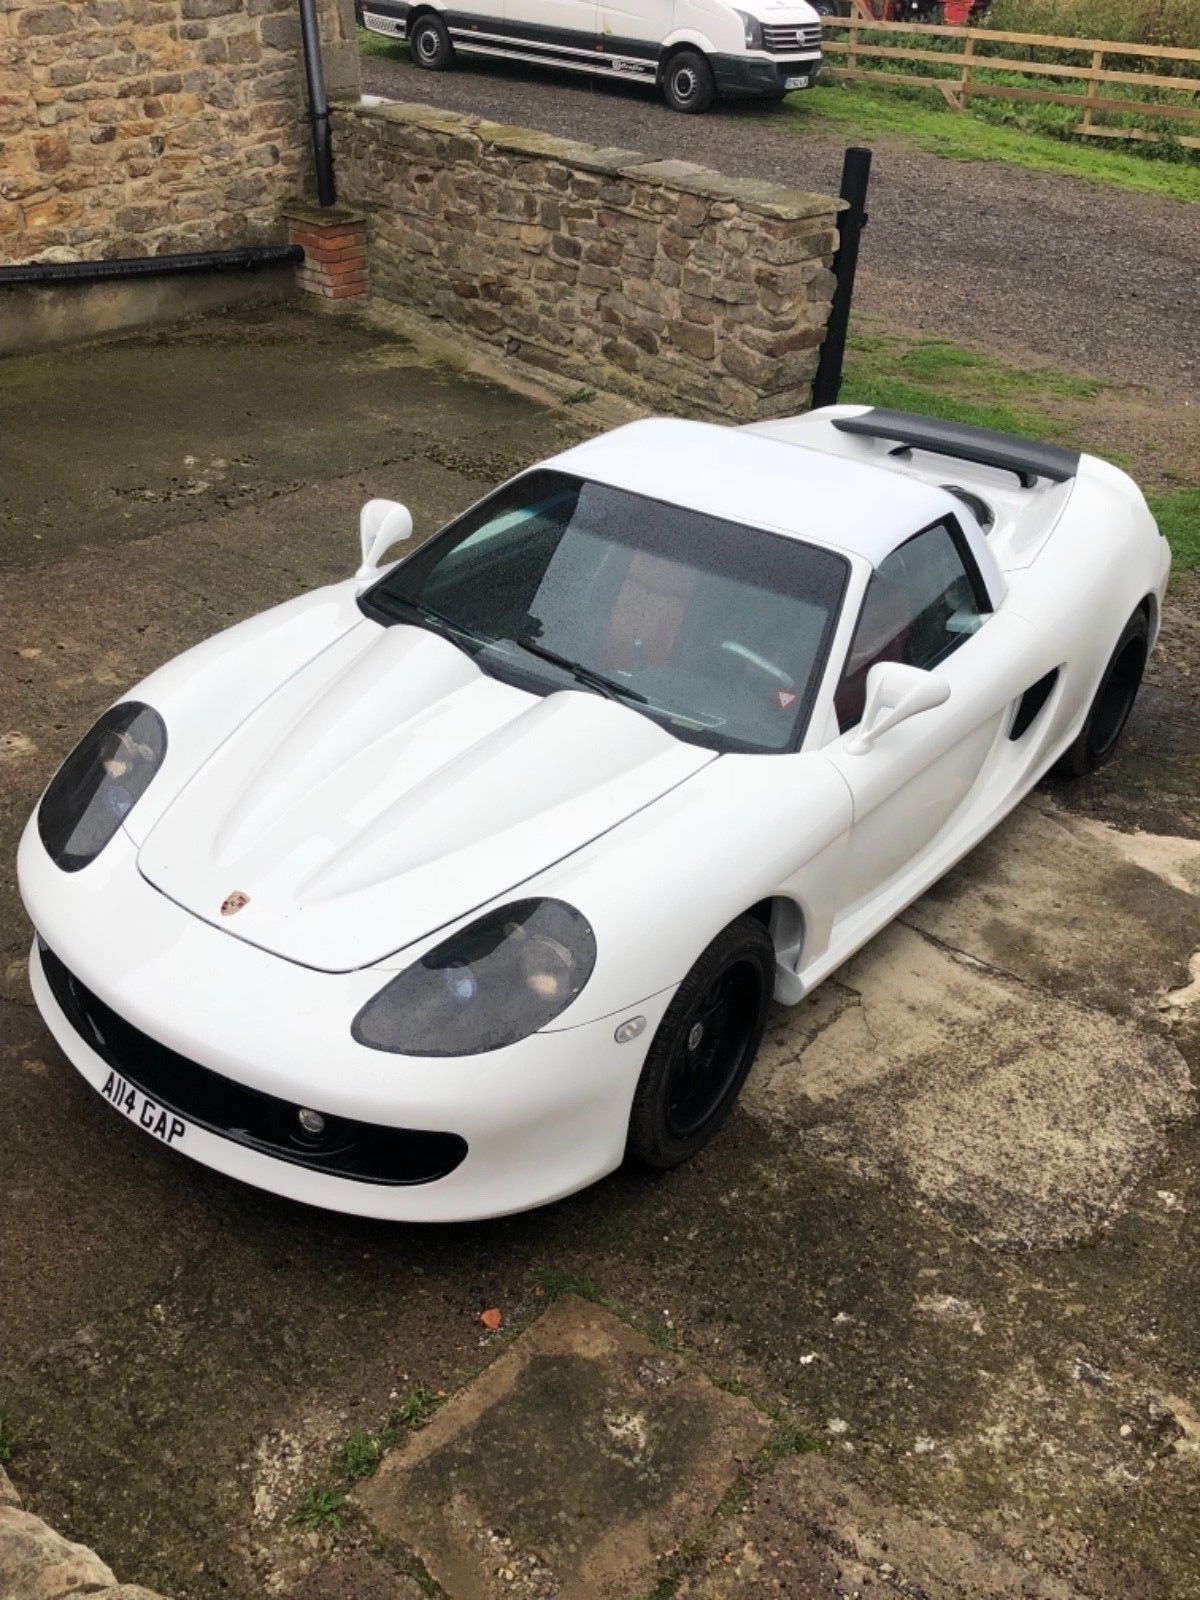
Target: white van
(694,50)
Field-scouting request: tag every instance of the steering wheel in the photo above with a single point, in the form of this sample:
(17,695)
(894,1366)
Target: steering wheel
(752,658)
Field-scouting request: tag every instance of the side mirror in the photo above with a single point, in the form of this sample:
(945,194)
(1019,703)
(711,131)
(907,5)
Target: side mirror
(381,524)
(895,693)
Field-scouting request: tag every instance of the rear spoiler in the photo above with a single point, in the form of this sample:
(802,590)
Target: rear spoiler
(1028,459)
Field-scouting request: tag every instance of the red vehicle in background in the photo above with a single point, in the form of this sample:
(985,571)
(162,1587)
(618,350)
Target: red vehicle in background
(955,13)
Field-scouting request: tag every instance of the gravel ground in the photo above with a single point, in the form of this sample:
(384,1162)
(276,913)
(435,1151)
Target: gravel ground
(1089,278)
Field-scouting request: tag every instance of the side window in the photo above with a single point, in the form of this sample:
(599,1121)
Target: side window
(922,603)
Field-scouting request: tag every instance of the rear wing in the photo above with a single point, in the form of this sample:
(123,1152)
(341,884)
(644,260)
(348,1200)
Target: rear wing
(1025,457)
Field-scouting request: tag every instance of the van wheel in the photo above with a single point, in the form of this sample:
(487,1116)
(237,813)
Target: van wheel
(430,43)
(688,84)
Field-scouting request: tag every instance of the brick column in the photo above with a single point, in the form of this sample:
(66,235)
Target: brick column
(334,241)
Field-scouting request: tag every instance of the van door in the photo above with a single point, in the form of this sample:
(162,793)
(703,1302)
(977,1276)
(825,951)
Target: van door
(557,32)
(632,32)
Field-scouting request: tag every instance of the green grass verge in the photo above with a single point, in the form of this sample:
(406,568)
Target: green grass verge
(932,375)
(866,112)
(374,44)
(1177,513)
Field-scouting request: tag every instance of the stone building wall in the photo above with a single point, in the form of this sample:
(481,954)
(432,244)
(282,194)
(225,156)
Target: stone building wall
(137,127)
(661,279)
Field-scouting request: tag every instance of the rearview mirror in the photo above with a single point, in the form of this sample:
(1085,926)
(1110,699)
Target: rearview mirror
(895,693)
(381,524)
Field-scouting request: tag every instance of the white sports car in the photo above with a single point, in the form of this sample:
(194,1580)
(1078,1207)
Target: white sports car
(437,893)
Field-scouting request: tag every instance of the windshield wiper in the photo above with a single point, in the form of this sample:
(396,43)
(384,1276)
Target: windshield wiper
(430,614)
(609,687)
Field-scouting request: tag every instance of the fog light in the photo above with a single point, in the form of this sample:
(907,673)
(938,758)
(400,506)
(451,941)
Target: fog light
(629,1030)
(311,1122)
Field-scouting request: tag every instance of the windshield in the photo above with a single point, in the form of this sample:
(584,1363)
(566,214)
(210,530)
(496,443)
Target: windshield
(715,630)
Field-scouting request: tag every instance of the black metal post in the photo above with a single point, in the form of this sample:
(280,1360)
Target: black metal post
(318,105)
(856,175)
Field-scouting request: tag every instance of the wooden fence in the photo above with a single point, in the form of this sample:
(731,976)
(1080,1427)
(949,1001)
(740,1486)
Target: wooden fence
(973,59)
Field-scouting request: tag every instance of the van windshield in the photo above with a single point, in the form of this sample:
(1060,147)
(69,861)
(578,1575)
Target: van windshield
(715,630)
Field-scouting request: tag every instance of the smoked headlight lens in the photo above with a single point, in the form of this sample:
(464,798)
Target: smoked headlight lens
(100,782)
(492,983)
(753,29)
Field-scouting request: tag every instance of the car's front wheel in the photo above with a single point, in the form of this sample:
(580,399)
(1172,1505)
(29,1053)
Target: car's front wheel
(704,1047)
(688,83)
(430,43)
(1112,703)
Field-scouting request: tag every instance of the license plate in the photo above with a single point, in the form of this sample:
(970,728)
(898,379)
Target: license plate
(796,83)
(139,1108)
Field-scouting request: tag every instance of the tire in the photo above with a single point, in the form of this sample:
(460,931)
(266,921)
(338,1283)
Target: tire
(1112,703)
(429,43)
(686,1091)
(688,83)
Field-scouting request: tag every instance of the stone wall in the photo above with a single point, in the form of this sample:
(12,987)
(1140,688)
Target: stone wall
(138,127)
(660,279)
(38,1564)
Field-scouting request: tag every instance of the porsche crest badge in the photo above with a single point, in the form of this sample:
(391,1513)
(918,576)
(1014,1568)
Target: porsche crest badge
(234,902)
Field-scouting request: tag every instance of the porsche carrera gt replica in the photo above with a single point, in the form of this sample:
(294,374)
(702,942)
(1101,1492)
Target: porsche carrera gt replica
(438,893)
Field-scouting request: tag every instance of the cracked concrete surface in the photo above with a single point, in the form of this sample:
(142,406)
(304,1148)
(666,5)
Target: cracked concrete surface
(953,1235)
(1005,1050)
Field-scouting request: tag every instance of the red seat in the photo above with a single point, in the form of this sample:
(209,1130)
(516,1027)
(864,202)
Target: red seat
(647,613)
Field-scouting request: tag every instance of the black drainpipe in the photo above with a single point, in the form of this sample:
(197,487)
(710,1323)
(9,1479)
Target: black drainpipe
(248,258)
(318,105)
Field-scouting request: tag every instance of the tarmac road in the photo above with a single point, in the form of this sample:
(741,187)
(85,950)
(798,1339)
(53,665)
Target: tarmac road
(1088,277)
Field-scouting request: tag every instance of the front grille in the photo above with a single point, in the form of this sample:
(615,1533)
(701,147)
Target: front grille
(801,36)
(366,1152)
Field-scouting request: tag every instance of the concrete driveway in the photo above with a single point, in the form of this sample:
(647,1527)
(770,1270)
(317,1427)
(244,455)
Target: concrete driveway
(922,1321)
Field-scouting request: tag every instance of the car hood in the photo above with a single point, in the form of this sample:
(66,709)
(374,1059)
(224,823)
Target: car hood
(390,787)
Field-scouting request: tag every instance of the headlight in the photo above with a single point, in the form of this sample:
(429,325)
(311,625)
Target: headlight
(492,983)
(100,782)
(753,27)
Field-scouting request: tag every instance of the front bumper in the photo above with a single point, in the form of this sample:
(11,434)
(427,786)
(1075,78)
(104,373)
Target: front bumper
(742,76)
(539,1119)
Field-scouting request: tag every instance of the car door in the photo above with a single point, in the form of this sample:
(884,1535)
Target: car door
(925,606)
(554,31)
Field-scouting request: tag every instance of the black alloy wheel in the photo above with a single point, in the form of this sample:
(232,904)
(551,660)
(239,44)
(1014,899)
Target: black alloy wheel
(704,1047)
(1112,703)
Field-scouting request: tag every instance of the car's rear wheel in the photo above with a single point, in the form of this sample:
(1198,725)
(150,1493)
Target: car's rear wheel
(430,43)
(704,1047)
(688,83)
(1112,703)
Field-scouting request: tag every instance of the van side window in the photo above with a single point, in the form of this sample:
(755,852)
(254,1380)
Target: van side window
(923,601)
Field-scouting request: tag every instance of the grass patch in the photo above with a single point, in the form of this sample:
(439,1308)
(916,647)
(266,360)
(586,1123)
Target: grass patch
(356,1458)
(1177,513)
(374,44)
(866,112)
(961,385)
(320,1511)
(362,1452)
(415,1410)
